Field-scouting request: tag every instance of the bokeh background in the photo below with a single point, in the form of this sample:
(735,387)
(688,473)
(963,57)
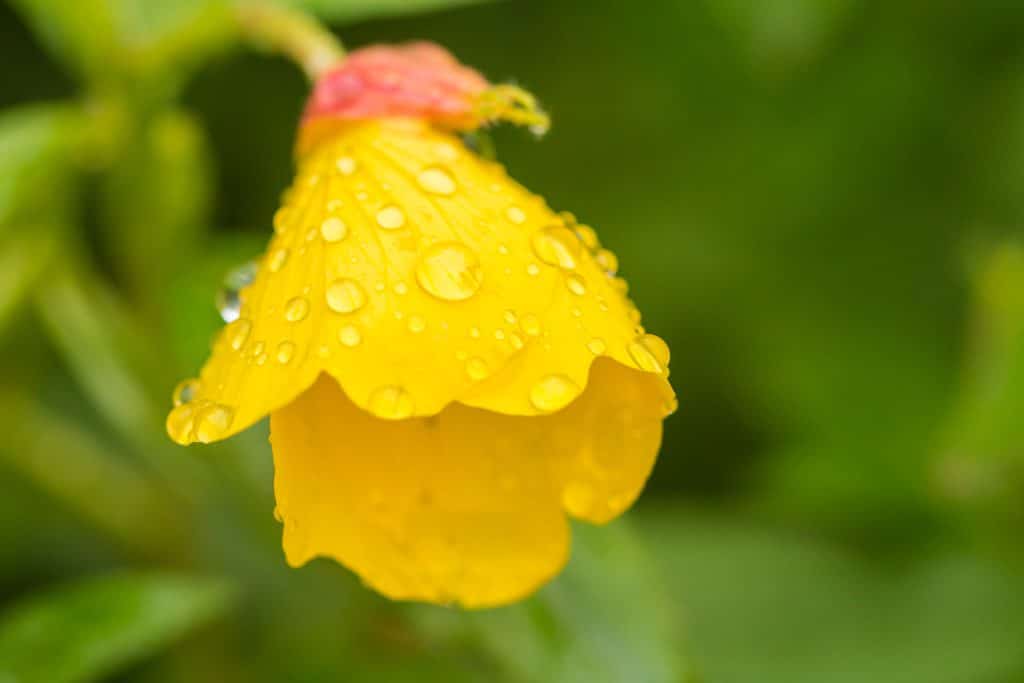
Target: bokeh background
(818,203)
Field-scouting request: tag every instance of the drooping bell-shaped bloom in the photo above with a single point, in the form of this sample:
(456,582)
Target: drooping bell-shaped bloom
(450,367)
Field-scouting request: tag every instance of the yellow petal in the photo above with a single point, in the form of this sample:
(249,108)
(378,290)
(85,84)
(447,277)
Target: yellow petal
(465,506)
(418,275)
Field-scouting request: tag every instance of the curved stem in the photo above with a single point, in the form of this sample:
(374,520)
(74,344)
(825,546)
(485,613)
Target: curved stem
(291,33)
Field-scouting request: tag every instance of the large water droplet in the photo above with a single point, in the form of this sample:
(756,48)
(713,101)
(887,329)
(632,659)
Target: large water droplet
(477,368)
(650,353)
(576,284)
(553,392)
(212,422)
(349,335)
(608,261)
(238,333)
(556,246)
(586,235)
(285,352)
(333,229)
(597,346)
(185,392)
(296,309)
(391,403)
(345,295)
(390,218)
(437,180)
(449,271)
(180,422)
(229,298)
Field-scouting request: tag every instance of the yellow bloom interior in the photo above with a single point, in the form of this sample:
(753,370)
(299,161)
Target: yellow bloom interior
(415,316)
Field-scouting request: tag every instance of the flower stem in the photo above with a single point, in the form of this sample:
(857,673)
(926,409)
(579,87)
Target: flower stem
(291,33)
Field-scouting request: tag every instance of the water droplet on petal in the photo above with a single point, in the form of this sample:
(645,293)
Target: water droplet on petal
(449,271)
(229,298)
(238,333)
(333,229)
(515,215)
(282,219)
(277,260)
(553,393)
(516,341)
(390,218)
(644,355)
(532,269)
(575,284)
(346,165)
(185,392)
(391,403)
(212,422)
(345,296)
(477,369)
(400,288)
(437,180)
(608,261)
(180,422)
(530,324)
(285,352)
(416,324)
(510,317)
(334,204)
(587,236)
(349,336)
(296,309)
(556,246)
(597,346)
(474,332)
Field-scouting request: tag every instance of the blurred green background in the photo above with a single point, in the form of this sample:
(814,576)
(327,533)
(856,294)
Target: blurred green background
(818,203)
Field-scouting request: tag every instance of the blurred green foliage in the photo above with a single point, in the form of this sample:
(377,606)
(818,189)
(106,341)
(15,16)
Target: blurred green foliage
(819,205)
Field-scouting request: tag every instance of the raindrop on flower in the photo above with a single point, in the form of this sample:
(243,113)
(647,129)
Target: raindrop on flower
(390,218)
(556,246)
(277,260)
(346,165)
(285,352)
(437,181)
(186,391)
(349,336)
(449,271)
(345,296)
(553,393)
(416,324)
(586,235)
(596,346)
(530,324)
(296,309)
(575,284)
(608,261)
(212,421)
(333,229)
(391,403)
(650,353)
(476,368)
(238,333)
(229,299)
(515,215)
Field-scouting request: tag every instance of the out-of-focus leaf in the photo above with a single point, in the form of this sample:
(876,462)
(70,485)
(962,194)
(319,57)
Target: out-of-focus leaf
(72,465)
(81,34)
(606,619)
(36,145)
(117,365)
(86,631)
(157,203)
(769,606)
(982,463)
(352,10)
(23,256)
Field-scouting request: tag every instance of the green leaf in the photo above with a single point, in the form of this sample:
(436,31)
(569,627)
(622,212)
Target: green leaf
(23,257)
(770,606)
(354,10)
(606,619)
(36,145)
(89,630)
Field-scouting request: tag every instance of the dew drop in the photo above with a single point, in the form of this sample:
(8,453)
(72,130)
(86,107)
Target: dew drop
(391,403)
(349,336)
(238,333)
(556,246)
(416,324)
(333,229)
(212,422)
(277,260)
(608,261)
(229,298)
(400,288)
(345,296)
(516,341)
(296,309)
(437,180)
(282,219)
(533,269)
(648,354)
(597,346)
(180,422)
(499,334)
(474,332)
(515,215)
(334,204)
(553,392)
(477,368)
(346,165)
(449,271)
(390,218)
(530,324)
(510,317)
(285,352)
(587,236)
(185,392)
(575,284)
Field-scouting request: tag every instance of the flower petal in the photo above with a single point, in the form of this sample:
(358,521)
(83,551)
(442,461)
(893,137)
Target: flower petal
(418,274)
(465,506)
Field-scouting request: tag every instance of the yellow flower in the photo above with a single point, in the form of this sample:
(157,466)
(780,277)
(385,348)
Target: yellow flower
(449,366)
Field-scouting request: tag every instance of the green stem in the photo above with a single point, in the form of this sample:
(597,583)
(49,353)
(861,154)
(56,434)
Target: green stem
(291,33)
